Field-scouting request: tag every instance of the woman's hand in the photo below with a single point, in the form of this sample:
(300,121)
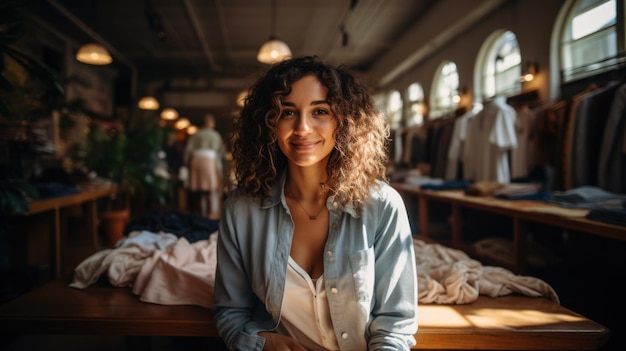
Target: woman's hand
(279,342)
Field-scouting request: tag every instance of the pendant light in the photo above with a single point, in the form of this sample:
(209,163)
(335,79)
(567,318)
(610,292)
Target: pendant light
(169,114)
(148,103)
(191,130)
(182,123)
(94,54)
(273,50)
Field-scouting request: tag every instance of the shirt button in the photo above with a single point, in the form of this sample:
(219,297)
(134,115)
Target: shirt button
(344,335)
(329,254)
(333,290)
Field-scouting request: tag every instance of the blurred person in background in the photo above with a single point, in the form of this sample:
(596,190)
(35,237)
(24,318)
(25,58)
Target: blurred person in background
(203,157)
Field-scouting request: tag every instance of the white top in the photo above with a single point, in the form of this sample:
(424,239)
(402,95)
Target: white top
(490,136)
(208,153)
(305,298)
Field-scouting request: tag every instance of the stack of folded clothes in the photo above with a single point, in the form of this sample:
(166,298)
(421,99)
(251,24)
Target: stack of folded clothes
(616,216)
(587,197)
(521,191)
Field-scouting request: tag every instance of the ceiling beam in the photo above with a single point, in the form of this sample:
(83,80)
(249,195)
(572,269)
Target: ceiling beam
(426,37)
(203,40)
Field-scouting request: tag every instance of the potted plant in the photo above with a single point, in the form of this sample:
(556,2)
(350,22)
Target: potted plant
(126,151)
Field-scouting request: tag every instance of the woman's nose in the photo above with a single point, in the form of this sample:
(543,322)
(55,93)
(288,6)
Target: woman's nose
(303,123)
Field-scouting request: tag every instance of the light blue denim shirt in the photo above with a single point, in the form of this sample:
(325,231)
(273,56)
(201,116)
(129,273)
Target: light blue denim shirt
(369,271)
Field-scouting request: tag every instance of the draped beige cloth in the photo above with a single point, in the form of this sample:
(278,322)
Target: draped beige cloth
(169,271)
(450,276)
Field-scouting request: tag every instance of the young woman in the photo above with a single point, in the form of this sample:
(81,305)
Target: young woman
(314,249)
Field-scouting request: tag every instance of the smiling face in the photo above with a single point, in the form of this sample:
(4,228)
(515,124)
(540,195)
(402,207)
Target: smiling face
(306,126)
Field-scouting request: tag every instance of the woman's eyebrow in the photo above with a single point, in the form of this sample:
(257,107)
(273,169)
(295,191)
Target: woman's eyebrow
(317,102)
(320,102)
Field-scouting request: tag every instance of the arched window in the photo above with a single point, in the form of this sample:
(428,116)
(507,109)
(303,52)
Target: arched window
(415,107)
(394,109)
(380,102)
(589,41)
(499,66)
(445,92)
(390,105)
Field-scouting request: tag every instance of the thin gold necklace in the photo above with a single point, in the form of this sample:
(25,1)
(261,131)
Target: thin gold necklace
(311,217)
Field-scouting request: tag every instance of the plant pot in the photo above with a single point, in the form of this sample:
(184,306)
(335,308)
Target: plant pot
(113,223)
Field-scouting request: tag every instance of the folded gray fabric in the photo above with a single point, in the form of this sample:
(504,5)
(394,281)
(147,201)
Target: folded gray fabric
(587,197)
(615,216)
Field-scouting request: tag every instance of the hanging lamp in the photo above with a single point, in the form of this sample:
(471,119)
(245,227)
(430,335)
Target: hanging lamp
(148,103)
(191,130)
(182,123)
(273,50)
(94,54)
(169,114)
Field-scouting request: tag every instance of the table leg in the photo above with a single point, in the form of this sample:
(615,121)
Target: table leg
(56,240)
(457,240)
(92,225)
(519,245)
(423,215)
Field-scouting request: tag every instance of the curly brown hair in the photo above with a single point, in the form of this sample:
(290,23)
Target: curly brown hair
(360,155)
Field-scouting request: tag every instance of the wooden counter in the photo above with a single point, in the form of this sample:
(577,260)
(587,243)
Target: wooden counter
(505,323)
(520,211)
(49,220)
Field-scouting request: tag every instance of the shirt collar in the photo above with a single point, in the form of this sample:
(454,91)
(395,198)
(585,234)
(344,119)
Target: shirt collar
(277,193)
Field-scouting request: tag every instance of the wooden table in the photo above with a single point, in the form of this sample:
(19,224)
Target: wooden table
(47,219)
(505,323)
(520,211)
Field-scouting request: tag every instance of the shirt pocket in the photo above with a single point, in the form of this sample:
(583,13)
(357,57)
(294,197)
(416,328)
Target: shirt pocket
(362,264)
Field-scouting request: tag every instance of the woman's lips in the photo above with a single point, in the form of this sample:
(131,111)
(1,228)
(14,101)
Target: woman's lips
(304,146)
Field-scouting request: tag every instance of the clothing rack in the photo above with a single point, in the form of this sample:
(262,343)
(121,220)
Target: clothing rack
(618,72)
(529,98)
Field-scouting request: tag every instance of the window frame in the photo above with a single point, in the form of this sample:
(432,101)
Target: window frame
(569,72)
(414,111)
(485,72)
(444,96)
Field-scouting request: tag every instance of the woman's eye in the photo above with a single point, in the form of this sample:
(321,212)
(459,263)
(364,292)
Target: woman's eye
(288,113)
(321,111)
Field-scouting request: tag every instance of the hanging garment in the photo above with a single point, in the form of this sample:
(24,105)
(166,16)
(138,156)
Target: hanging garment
(490,136)
(612,161)
(590,118)
(522,154)
(455,149)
